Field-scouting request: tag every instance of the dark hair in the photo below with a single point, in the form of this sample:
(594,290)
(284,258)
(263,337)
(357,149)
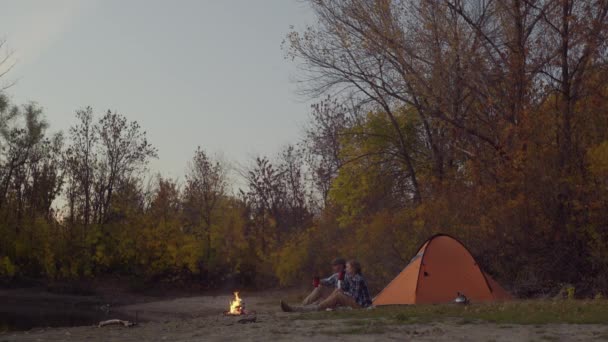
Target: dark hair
(355,265)
(338,261)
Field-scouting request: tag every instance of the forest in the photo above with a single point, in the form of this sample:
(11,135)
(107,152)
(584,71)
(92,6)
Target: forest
(486,120)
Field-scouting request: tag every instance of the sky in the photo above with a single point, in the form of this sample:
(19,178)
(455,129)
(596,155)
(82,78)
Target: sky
(191,72)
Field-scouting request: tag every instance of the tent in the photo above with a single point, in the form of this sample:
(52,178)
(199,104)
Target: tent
(442,267)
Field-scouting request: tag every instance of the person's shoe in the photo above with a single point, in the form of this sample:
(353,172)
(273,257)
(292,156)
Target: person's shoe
(285,307)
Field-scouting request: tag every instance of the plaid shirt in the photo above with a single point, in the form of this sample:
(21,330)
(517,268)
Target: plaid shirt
(331,281)
(356,287)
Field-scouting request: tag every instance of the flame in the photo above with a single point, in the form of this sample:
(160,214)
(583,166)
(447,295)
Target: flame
(235,305)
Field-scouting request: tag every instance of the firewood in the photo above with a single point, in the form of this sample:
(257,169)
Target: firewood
(115,321)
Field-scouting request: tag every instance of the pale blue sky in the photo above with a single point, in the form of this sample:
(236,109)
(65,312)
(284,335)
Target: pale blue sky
(209,73)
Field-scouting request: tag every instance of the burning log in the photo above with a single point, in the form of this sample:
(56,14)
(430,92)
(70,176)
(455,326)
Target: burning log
(237,306)
(237,309)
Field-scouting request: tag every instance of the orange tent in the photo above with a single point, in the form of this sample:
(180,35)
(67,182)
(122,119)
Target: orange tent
(442,267)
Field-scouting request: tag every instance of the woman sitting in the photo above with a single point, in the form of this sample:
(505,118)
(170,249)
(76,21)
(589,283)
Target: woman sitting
(354,293)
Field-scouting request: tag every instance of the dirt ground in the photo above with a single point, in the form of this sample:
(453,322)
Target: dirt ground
(200,319)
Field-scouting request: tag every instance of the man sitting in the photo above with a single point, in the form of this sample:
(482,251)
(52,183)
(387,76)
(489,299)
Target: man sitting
(327,285)
(355,293)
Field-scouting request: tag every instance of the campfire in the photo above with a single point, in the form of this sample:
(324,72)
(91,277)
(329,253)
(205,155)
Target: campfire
(237,310)
(237,306)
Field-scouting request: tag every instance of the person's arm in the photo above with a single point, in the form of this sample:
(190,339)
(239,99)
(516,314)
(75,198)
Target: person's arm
(365,298)
(359,292)
(330,281)
(346,284)
(353,288)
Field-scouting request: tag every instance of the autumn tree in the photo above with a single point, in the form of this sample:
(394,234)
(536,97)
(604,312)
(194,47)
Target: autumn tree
(206,188)
(26,147)
(482,100)
(124,151)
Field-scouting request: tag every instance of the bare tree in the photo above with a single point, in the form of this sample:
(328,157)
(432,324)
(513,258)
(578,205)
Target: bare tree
(322,144)
(471,69)
(6,64)
(81,161)
(295,192)
(124,150)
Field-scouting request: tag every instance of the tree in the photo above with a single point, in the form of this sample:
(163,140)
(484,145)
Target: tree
(6,65)
(205,189)
(124,151)
(20,144)
(322,144)
(492,100)
(81,160)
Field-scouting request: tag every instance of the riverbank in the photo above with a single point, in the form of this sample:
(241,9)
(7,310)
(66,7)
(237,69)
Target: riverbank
(200,318)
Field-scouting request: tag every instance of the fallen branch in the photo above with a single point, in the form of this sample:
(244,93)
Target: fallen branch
(116,321)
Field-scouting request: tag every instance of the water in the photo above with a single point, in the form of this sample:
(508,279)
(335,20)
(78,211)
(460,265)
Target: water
(32,318)
(27,308)
(24,311)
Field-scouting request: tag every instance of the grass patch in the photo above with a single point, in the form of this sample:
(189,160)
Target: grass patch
(360,327)
(356,322)
(518,312)
(464,321)
(360,331)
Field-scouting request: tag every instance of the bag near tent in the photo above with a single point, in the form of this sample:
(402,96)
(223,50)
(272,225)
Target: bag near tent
(442,268)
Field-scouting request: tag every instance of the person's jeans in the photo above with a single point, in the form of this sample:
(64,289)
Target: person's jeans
(318,294)
(338,298)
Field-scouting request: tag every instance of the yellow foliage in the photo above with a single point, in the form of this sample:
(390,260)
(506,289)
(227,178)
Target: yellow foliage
(7,268)
(291,258)
(598,159)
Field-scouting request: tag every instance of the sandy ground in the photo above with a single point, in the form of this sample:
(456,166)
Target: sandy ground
(201,319)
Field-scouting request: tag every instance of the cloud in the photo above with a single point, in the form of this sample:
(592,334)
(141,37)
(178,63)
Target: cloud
(32,26)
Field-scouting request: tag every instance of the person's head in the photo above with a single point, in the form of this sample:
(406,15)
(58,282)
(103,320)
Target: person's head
(353,267)
(338,265)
